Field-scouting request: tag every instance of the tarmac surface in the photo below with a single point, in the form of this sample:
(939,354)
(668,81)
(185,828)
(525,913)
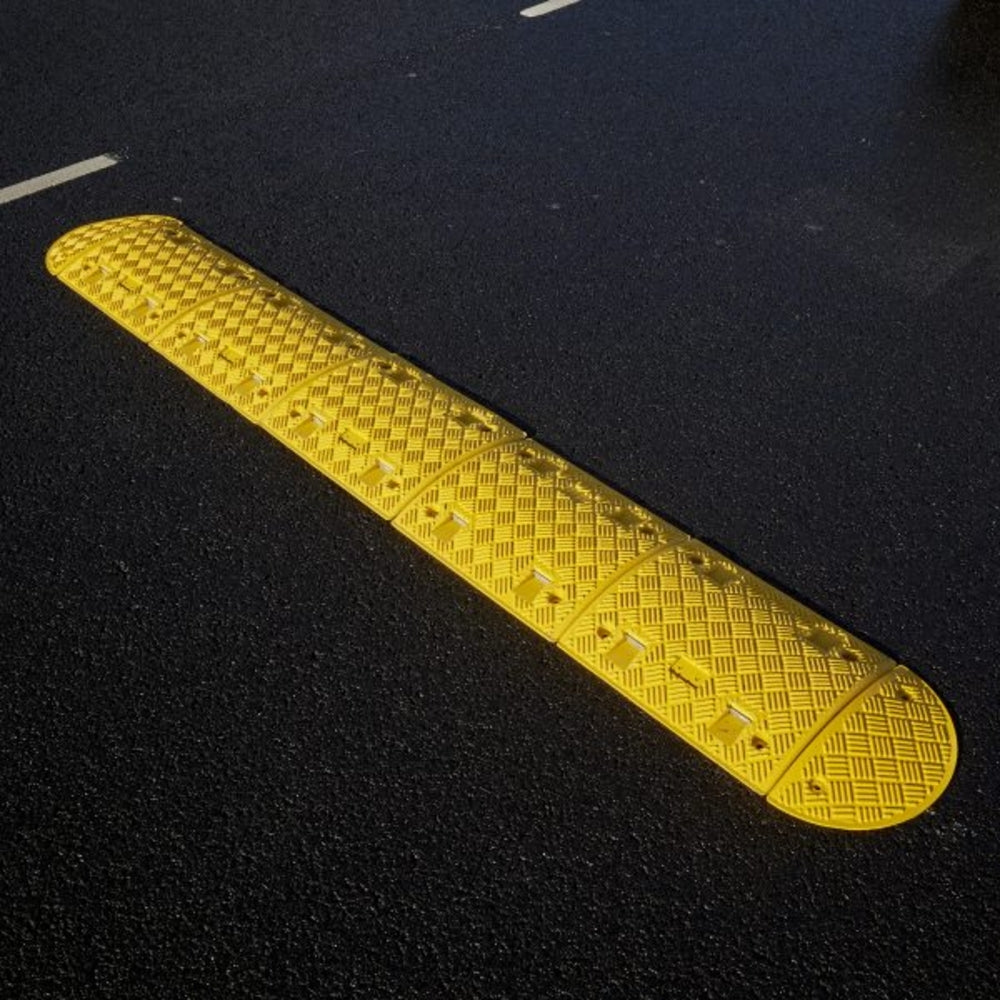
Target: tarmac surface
(741,260)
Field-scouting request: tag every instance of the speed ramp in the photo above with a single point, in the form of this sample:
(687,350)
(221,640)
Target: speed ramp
(828,728)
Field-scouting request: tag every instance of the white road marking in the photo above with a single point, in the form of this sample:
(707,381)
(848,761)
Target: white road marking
(546,8)
(43,181)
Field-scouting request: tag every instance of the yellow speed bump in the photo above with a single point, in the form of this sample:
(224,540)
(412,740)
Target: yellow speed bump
(832,731)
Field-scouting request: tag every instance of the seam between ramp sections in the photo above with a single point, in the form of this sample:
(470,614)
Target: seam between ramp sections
(845,705)
(885,758)
(275,398)
(268,287)
(732,769)
(719,657)
(530,530)
(609,583)
(325,471)
(383,429)
(765,687)
(519,436)
(275,404)
(148,270)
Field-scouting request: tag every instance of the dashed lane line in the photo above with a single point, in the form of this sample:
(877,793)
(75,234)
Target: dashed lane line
(55,177)
(547,8)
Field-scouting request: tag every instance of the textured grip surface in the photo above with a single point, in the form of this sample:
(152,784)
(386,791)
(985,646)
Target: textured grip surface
(831,730)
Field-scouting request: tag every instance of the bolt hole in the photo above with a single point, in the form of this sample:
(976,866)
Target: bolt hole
(905,695)
(393,484)
(383,365)
(758,743)
(696,559)
(815,786)
(603,633)
(554,599)
(431,512)
(262,392)
(849,655)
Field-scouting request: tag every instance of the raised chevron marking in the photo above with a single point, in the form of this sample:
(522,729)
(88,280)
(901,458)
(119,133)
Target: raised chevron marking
(828,728)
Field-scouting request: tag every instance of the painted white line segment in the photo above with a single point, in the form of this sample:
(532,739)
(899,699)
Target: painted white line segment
(43,181)
(546,8)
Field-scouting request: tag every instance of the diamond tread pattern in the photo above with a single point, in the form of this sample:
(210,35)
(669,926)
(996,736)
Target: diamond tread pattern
(383,429)
(88,238)
(730,664)
(149,273)
(531,531)
(784,700)
(252,345)
(881,761)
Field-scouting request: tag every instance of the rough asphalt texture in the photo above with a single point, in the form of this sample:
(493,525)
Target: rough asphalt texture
(742,260)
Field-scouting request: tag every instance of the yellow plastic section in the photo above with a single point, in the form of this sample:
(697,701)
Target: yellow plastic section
(84,240)
(831,730)
(531,531)
(382,428)
(736,668)
(147,271)
(882,760)
(251,345)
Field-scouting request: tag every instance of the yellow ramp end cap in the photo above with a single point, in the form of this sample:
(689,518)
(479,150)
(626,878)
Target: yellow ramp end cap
(77,242)
(145,271)
(882,760)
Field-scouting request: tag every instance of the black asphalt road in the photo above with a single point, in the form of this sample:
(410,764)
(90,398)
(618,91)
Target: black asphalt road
(741,259)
